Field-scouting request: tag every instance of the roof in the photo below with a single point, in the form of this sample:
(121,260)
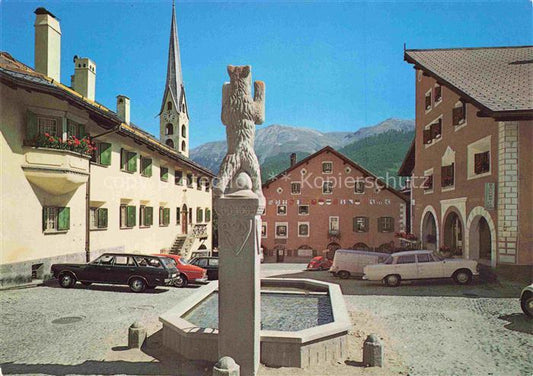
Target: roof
(16,74)
(406,253)
(408,164)
(496,79)
(329,149)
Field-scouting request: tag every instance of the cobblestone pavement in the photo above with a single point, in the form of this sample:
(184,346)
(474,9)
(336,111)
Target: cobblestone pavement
(435,328)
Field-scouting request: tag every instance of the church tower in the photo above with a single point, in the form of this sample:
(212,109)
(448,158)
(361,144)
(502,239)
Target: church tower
(174,114)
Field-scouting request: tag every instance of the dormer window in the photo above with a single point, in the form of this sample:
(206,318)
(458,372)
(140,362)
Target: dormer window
(169,106)
(459,113)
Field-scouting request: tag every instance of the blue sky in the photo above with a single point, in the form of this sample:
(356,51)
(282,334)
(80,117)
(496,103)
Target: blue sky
(331,66)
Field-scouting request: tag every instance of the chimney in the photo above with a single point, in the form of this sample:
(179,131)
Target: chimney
(84,81)
(123,108)
(47,44)
(293,159)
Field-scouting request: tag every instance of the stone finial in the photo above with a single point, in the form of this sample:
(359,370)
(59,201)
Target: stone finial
(226,366)
(373,351)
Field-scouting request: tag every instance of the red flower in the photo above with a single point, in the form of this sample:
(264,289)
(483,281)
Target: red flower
(51,139)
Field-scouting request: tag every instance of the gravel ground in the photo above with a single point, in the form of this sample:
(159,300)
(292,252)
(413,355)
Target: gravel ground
(430,328)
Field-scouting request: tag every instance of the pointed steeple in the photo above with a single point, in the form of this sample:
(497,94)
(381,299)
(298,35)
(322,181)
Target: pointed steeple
(174,82)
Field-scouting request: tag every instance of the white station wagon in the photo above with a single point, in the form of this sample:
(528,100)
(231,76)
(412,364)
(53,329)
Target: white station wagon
(420,265)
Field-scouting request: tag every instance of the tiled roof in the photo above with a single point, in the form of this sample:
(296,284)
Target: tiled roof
(20,72)
(497,78)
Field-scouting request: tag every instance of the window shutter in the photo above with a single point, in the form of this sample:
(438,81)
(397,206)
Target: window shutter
(164,176)
(367,223)
(63,219)
(131,214)
(132,161)
(148,169)
(104,150)
(427,136)
(354,224)
(207,215)
(31,126)
(166,216)
(391,224)
(44,218)
(148,216)
(123,159)
(380,224)
(102,218)
(81,131)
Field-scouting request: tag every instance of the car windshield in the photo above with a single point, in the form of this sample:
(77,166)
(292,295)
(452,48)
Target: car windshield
(168,262)
(388,260)
(182,261)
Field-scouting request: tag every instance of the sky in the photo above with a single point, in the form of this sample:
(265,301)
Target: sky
(330,66)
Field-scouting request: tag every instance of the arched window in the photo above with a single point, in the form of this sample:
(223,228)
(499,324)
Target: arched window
(183,131)
(169,106)
(169,129)
(170,143)
(183,146)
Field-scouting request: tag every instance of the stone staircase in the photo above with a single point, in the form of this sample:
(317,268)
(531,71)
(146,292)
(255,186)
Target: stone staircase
(184,244)
(178,244)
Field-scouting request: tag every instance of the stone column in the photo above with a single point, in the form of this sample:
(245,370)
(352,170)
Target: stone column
(239,312)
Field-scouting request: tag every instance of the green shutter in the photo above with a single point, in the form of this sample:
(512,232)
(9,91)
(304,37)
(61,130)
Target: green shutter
(63,219)
(178,216)
(164,173)
(148,170)
(31,126)
(131,216)
(104,149)
(132,161)
(166,216)
(102,217)
(44,218)
(199,215)
(81,131)
(148,216)
(207,215)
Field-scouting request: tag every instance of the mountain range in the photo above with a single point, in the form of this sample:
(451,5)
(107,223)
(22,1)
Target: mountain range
(379,148)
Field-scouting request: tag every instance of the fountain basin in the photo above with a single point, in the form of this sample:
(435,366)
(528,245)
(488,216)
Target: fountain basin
(314,331)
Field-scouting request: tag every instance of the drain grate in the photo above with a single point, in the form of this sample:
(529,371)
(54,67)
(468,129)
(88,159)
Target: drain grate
(67,320)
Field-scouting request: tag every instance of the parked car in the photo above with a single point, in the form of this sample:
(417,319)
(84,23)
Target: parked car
(350,262)
(208,263)
(526,300)
(411,265)
(137,271)
(188,273)
(319,263)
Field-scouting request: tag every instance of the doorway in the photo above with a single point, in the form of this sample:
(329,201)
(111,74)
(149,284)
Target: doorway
(453,234)
(184,219)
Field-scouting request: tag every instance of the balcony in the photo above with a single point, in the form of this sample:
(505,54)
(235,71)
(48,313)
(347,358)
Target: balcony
(199,231)
(56,171)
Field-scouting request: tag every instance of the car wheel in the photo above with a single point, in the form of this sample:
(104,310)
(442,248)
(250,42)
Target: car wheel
(67,280)
(462,277)
(344,274)
(137,285)
(527,305)
(86,283)
(392,280)
(180,281)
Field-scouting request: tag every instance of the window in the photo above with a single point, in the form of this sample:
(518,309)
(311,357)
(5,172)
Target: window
(282,209)
(189,180)
(303,209)
(327,187)
(128,161)
(437,93)
(296,188)
(146,166)
(482,162)
(199,215)
(360,224)
(385,224)
(327,167)
(407,259)
(102,155)
(459,114)
(282,230)
(334,225)
(56,219)
(428,183)
(98,218)
(163,173)
(170,143)
(128,216)
(436,129)
(183,146)
(48,125)
(124,261)
(178,176)
(424,257)
(207,215)
(428,101)
(164,216)
(75,130)
(199,183)
(264,228)
(169,129)
(169,106)
(190,215)
(359,187)
(447,175)
(303,229)
(178,216)
(183,131)
(146,216)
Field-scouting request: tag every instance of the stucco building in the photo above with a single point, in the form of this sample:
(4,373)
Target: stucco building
(471,161)
(79,179)
(326,201)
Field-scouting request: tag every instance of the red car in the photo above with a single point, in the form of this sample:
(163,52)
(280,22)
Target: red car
(319,263)
(188,273)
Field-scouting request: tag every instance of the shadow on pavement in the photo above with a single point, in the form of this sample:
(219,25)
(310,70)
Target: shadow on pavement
(109,288)
(438,288)
(518,322)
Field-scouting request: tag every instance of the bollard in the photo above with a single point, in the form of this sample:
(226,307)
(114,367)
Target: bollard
(136,335)
(373,351)
(226,366)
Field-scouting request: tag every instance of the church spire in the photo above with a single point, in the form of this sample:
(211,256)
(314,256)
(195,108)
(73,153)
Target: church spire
(174,81)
